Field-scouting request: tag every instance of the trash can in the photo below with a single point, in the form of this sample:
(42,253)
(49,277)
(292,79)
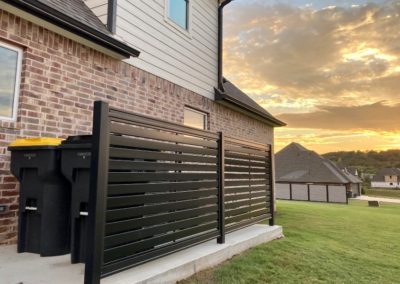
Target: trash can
(75,166)
(44,204)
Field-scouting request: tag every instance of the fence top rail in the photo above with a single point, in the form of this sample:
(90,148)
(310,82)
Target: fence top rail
(142,120)
(247,143)
(311,183)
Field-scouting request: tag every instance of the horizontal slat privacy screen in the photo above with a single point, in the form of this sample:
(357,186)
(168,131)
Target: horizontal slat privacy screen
(158,187)
(247,183)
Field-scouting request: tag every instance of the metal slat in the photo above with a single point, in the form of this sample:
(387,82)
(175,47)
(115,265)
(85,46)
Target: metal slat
(151,177)
(129,249)
(129,189)
(132,212)
(246,195)
(229,169)
(239,149)
(249,222)
(244,156)
(120,153)
(129,201)
(147,144)
(136,119)
(246,216)
(247,202)
(247,143)
(247,163)
(246,176)
(137,223)
(156,166)
(157,135)
(136,259)
(230,190)
(132,236)
(246,182)
(238,211)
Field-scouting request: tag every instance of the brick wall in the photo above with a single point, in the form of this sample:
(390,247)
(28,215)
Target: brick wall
(60,81)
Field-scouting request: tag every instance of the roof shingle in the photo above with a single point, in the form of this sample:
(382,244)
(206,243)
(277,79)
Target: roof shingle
(295,163)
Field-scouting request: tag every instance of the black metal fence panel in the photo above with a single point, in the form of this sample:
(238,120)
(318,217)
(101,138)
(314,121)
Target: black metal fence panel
(247,183)
(157,187)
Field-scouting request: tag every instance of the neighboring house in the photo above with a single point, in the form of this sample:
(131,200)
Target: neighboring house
(386,178)
(302,174)
(161,58)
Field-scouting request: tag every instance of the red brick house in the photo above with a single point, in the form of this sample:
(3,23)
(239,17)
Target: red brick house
(150,57)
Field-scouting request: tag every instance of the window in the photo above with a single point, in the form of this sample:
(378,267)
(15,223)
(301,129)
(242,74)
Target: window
(195,118)
(178,12)
(10,74)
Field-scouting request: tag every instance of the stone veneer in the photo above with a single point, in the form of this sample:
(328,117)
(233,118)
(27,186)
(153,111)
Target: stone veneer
(61,79)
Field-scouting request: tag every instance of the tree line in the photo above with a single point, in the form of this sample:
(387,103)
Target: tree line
(367,162)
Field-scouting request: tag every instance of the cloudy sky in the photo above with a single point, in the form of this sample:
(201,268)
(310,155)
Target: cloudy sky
(329,68)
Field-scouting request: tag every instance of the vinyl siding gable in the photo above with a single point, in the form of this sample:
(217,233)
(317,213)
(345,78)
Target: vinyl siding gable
(189,59)
(99,8)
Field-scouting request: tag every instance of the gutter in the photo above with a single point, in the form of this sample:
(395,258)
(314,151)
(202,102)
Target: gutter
(221,42)
(67,23)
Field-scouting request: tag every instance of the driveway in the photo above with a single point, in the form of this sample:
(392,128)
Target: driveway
(381,199)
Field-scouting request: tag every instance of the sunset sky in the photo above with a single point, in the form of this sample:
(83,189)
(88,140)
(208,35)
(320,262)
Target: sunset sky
(329,69)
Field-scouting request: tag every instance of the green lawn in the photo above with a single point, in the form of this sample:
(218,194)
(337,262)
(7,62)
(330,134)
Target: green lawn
(324,243)
(390,193)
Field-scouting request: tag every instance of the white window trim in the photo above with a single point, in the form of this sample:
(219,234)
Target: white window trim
(17,80)
(174,26)
(205,114)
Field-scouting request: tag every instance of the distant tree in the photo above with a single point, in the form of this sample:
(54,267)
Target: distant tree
(368,162)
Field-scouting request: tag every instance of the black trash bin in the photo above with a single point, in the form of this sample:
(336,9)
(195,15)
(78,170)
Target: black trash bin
(44,206)
(75,166)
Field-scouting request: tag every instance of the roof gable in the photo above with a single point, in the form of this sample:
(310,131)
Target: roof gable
(295,163)
(78,10)
(380,175)
(74,20)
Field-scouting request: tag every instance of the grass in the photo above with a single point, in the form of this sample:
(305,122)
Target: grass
(389,193)
(324,243)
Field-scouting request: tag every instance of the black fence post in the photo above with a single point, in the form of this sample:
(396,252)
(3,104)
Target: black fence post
(290,192)
(327,193)
(221,188)
(272,187)
(98,192)
(308,192)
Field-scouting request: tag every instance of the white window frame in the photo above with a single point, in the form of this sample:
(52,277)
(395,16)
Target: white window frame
(174,26)
(17,80)
(205,114)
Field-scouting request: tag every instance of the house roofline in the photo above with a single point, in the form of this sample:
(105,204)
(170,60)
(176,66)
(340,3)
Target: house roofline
(225,99)
(69,24)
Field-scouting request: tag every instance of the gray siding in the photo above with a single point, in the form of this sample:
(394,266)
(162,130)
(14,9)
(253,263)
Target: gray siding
(186,59)
(99,8)
(318,193)
(282,191)
(299,192)
(337,193)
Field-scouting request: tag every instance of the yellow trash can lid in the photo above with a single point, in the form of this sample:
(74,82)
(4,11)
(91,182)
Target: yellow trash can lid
(40,141)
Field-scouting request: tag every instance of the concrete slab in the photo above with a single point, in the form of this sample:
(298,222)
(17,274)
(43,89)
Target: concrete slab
(31,269)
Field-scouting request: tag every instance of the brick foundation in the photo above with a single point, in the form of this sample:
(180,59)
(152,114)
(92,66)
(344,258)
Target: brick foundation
(61,79)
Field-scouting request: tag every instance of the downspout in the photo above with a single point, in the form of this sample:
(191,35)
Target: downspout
(221,42)
(112,16)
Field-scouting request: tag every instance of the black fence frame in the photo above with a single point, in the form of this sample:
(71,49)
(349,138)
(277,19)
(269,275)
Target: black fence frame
(99,186)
